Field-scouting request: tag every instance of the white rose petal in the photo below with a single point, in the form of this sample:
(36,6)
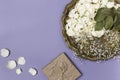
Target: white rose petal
(78,27)
(117,6)
(87,13)
(71,22)
(91,10)
(110,4)
(95,1)
(33,71)
(18,71)
(82,10)
(4,52)
(67,27)
(104,2)
(87,5)
(11,64)
(85,19)
(97,6)
(88,1)
(81,18)
(82,1)
(70,32)
(71,13)
(21,61)
(98,33)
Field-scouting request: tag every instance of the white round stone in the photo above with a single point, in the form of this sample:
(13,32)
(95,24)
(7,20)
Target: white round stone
(11,64)
(21,61)
(18,71)
(33,71)
(4,52)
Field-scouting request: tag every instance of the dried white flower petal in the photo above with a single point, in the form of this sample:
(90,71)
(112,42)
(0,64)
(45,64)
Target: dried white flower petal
(98,33)
(83,13)
(110,4)
(18,71)
(11,64)
(33,71)
(4,52)
(104,2)
(95,1)
(21,61)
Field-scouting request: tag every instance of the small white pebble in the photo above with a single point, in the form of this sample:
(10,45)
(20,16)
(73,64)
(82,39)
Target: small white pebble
(11,64)
(4,52)
(21,61)
(33,71)
(18,71)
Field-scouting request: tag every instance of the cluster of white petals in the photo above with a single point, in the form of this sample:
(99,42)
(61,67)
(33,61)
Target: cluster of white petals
(81,18)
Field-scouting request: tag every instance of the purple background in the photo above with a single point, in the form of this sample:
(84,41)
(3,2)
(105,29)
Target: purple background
(32,28)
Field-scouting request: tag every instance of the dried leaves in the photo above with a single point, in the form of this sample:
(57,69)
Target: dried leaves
(108,18)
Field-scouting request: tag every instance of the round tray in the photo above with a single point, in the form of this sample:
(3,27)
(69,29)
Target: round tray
(70,41)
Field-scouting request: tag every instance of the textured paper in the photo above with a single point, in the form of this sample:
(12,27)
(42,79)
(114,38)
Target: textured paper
(61,69)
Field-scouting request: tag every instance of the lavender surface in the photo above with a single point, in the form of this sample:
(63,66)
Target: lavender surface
(32,28)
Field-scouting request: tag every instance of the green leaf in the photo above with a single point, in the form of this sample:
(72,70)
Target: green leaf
(118,9)
(102,13)
(117,28)
(113,12)
(118,20)
(99,17)
(115,18)
(109,18)
(107,11)
(108,22)
(99,26)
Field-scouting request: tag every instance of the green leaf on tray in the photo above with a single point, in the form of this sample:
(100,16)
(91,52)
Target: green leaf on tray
(115,18)
(117,22)
(118,9)
(108,22)
(108,18)
(117,28)
(102,13)
(99,26)
(99,17)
